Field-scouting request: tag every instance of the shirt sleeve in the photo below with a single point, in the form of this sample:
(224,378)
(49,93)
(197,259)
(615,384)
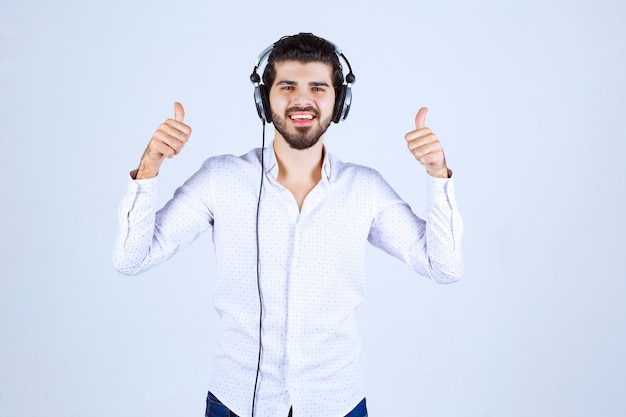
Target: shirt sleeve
(431,246)
(147,237)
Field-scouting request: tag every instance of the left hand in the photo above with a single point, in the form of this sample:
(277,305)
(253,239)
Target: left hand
(425,146)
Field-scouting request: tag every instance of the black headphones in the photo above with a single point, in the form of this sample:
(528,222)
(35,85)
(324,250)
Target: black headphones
(343,99)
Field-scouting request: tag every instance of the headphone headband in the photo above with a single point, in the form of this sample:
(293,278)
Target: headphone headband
(343,99)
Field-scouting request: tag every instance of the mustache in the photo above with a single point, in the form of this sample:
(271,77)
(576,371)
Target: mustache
(309,109)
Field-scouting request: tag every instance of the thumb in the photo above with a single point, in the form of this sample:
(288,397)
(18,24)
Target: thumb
(420,118)
(179,112)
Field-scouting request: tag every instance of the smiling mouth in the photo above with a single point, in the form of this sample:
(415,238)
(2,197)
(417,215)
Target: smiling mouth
(301,116)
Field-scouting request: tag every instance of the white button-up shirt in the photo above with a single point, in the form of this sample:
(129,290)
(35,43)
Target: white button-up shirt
(311,270)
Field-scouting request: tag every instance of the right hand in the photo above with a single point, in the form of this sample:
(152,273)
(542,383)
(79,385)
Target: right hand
(426,147)
(166,142)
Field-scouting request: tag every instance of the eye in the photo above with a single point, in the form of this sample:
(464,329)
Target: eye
(288,88)
(319,89)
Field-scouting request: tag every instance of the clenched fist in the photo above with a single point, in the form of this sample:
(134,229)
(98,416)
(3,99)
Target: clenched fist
(426,148)
(167,141)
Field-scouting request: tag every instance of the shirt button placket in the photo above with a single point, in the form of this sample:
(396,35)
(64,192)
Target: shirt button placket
(294,313)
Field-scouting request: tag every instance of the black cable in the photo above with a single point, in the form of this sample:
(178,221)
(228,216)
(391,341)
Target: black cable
(258,272)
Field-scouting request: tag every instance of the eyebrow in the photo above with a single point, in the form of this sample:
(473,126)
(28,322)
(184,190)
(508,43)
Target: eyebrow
(311,83)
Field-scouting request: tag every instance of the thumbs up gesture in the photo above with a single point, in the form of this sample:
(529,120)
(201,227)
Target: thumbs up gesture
(167,141)
(425,146)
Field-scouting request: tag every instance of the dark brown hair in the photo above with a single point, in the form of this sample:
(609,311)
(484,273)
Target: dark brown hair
(304,48)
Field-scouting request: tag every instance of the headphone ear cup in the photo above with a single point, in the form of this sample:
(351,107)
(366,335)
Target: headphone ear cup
(347,102)
(265,100)
(340,98)
(262,102)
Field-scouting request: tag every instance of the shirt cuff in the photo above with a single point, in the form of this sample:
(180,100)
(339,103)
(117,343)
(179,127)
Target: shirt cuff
(441,191)
(141,194)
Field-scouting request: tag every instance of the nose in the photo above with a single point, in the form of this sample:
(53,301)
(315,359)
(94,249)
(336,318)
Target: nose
(301,98)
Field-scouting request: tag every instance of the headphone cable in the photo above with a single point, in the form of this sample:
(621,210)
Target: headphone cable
(258,270)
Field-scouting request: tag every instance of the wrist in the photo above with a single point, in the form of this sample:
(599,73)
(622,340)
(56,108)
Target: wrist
(146,171)
(441,173)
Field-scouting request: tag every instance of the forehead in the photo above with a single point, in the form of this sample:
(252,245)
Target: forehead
(299,71)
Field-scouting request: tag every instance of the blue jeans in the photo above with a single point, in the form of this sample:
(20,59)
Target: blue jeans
(214,408)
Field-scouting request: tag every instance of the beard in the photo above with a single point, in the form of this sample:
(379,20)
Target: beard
(301,137)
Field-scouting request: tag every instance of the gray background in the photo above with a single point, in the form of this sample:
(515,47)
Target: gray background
(528,100)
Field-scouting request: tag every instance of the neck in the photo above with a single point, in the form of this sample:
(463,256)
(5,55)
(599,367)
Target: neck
(298,166)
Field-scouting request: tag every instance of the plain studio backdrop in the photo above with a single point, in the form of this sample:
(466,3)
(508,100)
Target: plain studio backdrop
(528,100)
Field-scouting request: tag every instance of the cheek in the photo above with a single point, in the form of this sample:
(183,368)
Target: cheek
(276,102)
(329,105)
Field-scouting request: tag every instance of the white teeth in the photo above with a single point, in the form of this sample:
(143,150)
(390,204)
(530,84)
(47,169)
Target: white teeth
(301,116)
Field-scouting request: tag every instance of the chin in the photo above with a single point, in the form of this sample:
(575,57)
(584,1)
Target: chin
(301,144)
(300,138)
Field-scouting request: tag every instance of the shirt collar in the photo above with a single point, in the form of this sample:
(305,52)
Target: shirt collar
(271,165)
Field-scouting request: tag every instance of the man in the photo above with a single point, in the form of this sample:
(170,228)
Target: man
(290,251)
